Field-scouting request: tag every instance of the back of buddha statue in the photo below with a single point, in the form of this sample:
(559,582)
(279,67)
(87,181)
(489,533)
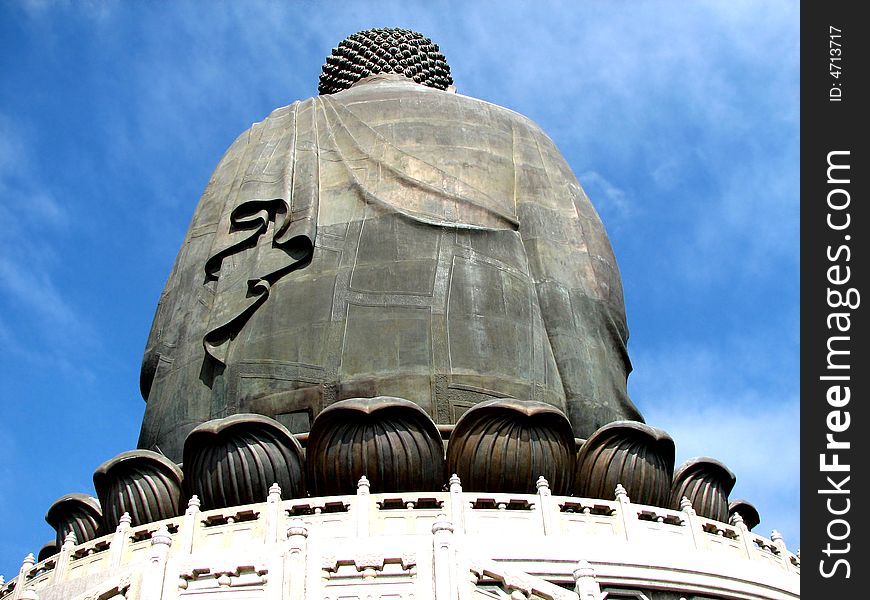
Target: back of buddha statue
(388,238)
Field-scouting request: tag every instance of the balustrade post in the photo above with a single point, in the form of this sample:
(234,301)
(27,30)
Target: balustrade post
(154,573)
(187,529)
(297,559)
(457,506)
(273,514)
(63,558)
(585,584)
(362,507)
(693,523)
(26,566)
(626,513)
(779,543)
(738,522)
(119,541)
(443,558)
(545,504)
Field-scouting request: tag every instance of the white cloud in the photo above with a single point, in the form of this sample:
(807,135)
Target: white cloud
(729,403)
(35,292)
(662,119)
(761,445)
(32,220)
(612,202)
(96,10)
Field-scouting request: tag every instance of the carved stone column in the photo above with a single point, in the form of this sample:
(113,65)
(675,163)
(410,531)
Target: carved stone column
(443,557)
(26,565)
(457,506)
(63,556)
(297,559)
(585,583)
(119,540)
(155,572)
(273,513)
(545,505)
(362,506)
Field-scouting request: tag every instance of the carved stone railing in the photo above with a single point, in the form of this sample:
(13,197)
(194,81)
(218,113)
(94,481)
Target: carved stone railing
(539,531)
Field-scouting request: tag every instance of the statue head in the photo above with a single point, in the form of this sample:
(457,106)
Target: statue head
(384,50)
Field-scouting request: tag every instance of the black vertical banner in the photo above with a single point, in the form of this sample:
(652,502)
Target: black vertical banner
(835,426)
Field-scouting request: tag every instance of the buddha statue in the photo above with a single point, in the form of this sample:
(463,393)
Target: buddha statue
(388,237)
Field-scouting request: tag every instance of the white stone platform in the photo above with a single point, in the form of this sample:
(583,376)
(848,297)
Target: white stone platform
(450,545)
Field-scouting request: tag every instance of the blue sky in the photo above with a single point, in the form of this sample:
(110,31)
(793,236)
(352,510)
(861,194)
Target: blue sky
(680,119)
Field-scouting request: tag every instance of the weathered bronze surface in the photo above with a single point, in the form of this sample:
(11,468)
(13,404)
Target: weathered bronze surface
(234,461)
(77,513)
(638,456)
(505,445)
(49,549)
(747,512)
(706,482)
(139,482)
(391,441)
(388,239)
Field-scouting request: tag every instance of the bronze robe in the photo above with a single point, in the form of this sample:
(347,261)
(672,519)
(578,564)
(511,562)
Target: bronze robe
(390,239)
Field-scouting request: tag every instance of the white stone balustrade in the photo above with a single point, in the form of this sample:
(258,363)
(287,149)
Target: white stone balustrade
(426,544)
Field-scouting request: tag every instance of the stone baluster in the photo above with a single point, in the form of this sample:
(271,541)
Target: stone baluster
(779,543)
(627,515)
(273,514)
(585,584)
(21,581)
(457,506)
(621,494)
(362,507)
(545,504)
(443,557)
(155,572)
(692,522)
(296,559)
(738,522)
(187,529)
(119,541)
(63,557)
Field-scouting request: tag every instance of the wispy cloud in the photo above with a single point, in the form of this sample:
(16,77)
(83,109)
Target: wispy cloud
(33,291)
(761,445)
(756,207)
(32,220)
(612,202)
(734,402)
(94,9)
(693,130)
(9,452)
